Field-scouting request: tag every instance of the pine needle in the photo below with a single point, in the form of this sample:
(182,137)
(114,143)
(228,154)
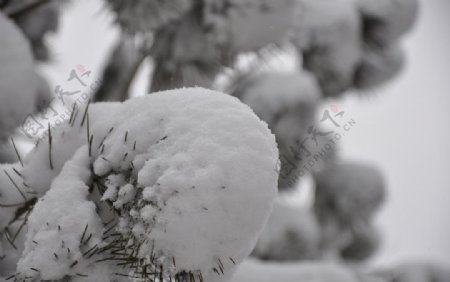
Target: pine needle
(15,185)
(50,147)
(17,152)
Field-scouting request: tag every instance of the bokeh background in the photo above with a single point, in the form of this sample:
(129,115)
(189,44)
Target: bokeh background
(403,128)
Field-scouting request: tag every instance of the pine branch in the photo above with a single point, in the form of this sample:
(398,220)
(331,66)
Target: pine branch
(118,75)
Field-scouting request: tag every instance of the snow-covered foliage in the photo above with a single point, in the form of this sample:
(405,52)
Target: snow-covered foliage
(267,21)
(328,35)
(379,66)
(357,190)
(143,16)
(386,21)
(192,59)
(346,199)
(179,183)
(211,35)
(275,95)
(288,103)
(352,43)
(292,233)
(364,243)
(340,41)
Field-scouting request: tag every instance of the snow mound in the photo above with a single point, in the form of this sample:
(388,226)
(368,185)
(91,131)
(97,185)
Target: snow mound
(178,182)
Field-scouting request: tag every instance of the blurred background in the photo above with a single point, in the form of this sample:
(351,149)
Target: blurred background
(403,127)
(405,130)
